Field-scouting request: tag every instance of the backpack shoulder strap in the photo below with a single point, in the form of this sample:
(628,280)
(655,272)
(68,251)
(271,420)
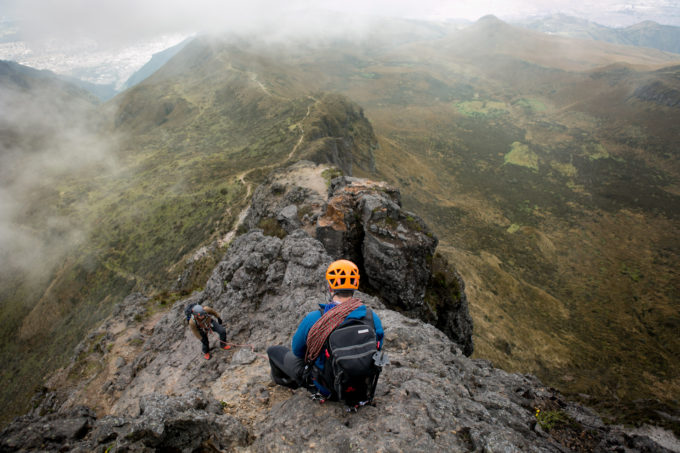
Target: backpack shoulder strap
(187,311)
(369,316)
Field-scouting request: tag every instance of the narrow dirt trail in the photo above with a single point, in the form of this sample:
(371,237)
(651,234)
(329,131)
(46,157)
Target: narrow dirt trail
(249,185)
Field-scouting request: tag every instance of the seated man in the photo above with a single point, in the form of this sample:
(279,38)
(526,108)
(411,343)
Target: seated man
(288,368)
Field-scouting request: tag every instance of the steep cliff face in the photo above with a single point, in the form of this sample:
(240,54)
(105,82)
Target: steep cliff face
(139,382)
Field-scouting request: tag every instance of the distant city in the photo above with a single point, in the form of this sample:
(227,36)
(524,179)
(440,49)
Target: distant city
(83,59)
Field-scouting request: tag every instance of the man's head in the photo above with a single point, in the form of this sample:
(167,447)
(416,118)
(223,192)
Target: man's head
(199,312)
(343,278)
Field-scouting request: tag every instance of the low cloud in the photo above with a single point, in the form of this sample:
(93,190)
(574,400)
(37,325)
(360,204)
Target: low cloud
(125,21)
(47,137)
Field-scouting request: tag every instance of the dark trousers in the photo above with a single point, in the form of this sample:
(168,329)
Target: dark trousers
(215,327)
(286,367)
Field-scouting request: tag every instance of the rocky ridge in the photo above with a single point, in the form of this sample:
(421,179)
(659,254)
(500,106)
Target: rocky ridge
(139,382)
(363,221)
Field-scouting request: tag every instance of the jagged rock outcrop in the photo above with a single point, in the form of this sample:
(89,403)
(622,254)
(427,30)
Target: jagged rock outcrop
(363,221)
(395,250)
(192,422)
(289,199)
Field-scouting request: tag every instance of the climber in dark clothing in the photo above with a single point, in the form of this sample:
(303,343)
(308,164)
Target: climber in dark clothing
(203,320)
(287,366)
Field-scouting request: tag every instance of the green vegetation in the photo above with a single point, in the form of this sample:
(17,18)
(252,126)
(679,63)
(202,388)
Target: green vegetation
(633,273)
(271,227)
(330,174)
(482,109)
(531,104)
(521,155)
(595,151)
(551,419)
(565,169)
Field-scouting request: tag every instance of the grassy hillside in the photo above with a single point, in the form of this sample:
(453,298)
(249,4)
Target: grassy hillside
(553,184)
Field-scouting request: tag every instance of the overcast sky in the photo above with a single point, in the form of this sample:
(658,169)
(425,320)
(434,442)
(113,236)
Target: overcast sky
(116,20)
(106,41)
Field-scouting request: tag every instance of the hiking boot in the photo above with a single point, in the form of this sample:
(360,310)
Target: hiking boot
(206,356)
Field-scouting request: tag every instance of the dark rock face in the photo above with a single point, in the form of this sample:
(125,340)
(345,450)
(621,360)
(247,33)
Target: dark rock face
(364,222)
(187,423)
(447,304)
(48,433)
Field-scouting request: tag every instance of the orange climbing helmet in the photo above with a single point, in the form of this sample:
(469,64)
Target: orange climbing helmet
(342,274)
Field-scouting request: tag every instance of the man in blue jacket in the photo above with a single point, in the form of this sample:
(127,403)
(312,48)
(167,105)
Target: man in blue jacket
(287,367)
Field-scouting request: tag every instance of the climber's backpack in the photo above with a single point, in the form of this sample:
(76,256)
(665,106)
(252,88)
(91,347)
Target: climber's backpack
(350,371)
(188,312)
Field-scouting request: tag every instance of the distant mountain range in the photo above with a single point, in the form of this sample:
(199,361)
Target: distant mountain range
(644,34)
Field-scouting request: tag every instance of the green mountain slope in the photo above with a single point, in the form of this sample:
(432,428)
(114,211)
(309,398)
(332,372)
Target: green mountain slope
(554,187)
(546,166)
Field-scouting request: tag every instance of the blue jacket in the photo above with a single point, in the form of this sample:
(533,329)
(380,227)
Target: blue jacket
(300,338)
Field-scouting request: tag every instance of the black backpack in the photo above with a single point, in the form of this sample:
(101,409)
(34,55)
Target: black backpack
(351,370)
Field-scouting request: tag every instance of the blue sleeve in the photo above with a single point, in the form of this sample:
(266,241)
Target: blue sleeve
(299,345)
(379,332)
